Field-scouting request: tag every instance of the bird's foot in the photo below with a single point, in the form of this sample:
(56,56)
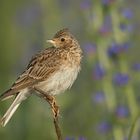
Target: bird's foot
(51,100)
(55,108)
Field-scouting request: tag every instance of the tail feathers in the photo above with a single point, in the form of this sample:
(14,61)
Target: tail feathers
(5,119)
(20,97)
(7,94)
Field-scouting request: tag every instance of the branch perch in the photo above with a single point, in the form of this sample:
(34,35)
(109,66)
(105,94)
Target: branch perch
(55,110)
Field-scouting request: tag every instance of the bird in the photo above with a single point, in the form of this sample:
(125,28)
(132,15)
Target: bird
(50,72)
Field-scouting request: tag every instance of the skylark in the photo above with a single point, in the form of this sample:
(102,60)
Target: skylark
(49,72)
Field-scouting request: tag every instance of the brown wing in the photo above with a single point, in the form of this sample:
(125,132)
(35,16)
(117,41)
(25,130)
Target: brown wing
(39,69)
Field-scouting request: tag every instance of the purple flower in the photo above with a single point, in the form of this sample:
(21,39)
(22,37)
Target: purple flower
(98,72)
(115,49)
(69,138)
(99,97)
(136,67)
(127,13)
(89,48)
(126,27)
(104,30)
(123,26)
(121,79)
(107,2)
(72,138)
(82,138)
(122,112)
(104,127)
(106,27)
(85,4)
(125,46)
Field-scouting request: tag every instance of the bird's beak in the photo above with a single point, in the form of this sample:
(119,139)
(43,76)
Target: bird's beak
(51,41)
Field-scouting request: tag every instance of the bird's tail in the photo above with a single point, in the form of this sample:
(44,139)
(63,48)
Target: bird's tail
(22,95)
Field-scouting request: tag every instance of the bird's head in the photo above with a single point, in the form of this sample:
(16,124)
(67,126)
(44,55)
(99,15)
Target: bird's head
(62,39)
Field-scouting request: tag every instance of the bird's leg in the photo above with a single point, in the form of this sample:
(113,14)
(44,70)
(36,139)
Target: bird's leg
(51,100)
(55,109)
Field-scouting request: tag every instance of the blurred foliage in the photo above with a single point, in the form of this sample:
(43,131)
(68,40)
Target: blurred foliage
(104,101)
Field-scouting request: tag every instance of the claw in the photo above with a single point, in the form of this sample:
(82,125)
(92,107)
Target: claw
(55,109)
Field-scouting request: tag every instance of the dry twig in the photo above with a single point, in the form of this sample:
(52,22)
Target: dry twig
(55,109)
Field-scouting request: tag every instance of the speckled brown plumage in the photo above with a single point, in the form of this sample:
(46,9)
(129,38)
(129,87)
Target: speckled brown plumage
(53,70)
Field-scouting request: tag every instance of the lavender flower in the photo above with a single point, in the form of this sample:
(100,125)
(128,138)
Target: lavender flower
(136,67)
(125,46)
(121,79)
(106,26)
(99,97)
(116,49)
(107,2)
(89,48)
(104,127)
(82,138)
(104,30)
(72,138)
(85,4)
(126,27)
(127,13)
(69,138)
(98,72)
(122,112)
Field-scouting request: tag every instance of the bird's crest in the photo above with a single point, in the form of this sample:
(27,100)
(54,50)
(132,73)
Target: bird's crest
(64,31)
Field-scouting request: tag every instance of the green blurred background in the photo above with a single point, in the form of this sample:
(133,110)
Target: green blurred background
(105,99)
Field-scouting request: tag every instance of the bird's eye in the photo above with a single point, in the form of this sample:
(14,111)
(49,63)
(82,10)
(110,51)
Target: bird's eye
(62,39)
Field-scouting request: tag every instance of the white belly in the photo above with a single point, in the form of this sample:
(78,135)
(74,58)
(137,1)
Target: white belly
(60,81)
